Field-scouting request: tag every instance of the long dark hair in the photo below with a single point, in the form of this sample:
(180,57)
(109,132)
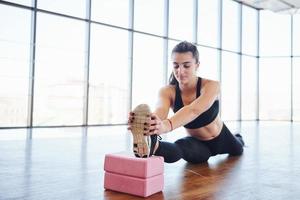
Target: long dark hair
(183,47)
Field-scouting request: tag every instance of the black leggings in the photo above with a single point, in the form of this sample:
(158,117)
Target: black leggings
(194,150)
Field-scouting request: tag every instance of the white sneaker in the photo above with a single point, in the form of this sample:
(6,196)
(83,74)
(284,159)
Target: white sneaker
(141,143)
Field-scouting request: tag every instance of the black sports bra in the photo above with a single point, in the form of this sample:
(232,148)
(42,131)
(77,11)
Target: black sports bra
(205,118)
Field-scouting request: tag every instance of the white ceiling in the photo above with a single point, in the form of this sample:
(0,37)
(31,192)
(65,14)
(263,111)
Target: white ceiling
(279,6)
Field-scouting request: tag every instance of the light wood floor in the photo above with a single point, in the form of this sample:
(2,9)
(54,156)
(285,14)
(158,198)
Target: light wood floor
(67,163)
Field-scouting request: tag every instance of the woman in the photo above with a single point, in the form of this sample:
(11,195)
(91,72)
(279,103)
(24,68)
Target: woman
(196,107)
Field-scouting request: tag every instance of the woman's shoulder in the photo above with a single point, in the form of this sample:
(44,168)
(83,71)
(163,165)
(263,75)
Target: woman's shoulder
(167,89)
(205,81)
(209,85)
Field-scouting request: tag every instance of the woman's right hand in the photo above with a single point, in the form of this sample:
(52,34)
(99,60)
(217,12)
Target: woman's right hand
(130,120)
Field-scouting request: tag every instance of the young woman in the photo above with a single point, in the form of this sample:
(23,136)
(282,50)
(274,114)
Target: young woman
(195,103)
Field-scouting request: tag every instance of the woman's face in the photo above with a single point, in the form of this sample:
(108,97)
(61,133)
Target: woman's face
(184,67)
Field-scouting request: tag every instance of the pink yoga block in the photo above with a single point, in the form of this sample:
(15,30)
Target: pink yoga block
(131,166)
(132,185)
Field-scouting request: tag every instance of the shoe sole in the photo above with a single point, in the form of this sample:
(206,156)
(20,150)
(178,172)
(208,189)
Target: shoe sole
(141,143)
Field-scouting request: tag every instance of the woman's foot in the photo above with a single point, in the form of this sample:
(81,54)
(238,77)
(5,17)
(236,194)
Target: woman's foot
(141,143)
(240,138)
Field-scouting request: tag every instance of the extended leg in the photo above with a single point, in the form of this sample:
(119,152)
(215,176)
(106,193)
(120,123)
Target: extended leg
(189,148)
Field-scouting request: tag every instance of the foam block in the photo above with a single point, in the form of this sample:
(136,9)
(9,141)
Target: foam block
(132,185)
(129,165)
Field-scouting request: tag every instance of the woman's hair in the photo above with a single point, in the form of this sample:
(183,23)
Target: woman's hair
(183,47)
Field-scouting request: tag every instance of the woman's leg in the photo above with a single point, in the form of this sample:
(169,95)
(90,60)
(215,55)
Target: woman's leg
(170,151)
(226,142)
(189,148)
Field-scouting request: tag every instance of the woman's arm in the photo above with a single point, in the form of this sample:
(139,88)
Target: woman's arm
(157,124)
(186,114)
(164,103)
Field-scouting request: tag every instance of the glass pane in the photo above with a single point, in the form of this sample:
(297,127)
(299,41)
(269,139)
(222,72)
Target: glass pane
(249,37)
(171,45)
(275,38)
(249,88)
(14,65)
(147,69)
(181,19)
(275,89)
(23,2)
(209,63)
(145,20)
(230,25)
(208,22)
(114,12)
(296,91)
(229,87)
(69,7)
(109,76)
(296,33)
(59,76)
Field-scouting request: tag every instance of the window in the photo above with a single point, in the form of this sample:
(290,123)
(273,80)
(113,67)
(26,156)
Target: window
(275,38)
(249,31)
(209,22)
(59,75)
(148,66)
(145,20)
(275,88)
(231,26)
(181,19)
(249,88)
(69,7)
(296,91)
(109,76)
(209,63)
(296,33)
(171,45)
(14,65)
(114,12)
(230,86)
(23,2)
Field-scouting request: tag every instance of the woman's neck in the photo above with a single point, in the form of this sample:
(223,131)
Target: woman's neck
(190,86)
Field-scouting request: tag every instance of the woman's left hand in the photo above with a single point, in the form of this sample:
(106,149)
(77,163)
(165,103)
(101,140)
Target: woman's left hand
(156,126)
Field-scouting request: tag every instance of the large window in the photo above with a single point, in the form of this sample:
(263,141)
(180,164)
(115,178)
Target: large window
(115,12)
(231,26)
(296,91)
(22,2)
(249,90)
(109,76)
(275,34)
(296,33)
(275,89)
(59,72)
(148,69)
(181,19)
(77,9)
(209,63)
(230,86)
(123,46)
(249,31)
(145,20)
(171,45)
(14,65)
(209,22)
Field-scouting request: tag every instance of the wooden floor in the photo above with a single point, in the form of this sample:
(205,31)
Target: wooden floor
(67,163)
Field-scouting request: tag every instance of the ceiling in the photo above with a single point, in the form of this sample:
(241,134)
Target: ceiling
(278,6)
